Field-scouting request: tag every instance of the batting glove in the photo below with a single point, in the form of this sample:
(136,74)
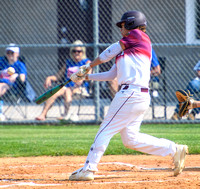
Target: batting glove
(75,78)
(83,70)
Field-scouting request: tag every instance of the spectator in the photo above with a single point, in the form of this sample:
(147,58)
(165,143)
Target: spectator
(155,65)
(77,58)
(155,71)
(194,88)
(11,60)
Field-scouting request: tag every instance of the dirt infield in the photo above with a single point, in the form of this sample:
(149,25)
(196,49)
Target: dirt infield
(130,171)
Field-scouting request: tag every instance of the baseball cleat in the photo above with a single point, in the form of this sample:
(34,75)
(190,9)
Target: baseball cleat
(80,175)
(179,158)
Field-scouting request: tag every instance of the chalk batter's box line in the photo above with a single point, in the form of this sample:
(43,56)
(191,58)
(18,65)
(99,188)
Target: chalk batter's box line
(90,183)
(105,163)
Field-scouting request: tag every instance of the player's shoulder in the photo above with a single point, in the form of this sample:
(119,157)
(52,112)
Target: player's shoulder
(136,33)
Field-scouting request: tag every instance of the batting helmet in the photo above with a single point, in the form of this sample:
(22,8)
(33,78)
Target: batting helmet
(132,19)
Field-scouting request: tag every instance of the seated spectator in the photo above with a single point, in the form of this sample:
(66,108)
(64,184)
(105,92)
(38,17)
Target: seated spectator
(11,60)
(77,59)
(155,65)
(194,88)
(155,72)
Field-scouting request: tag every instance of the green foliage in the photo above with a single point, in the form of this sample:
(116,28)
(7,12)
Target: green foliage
(30,140)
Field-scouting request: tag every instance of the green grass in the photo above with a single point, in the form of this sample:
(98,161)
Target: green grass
(30,140)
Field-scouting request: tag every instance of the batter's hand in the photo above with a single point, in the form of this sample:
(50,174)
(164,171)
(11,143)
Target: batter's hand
(75,78)
(83,70)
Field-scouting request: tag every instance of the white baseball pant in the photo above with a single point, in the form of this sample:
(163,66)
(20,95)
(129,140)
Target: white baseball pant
(125,115)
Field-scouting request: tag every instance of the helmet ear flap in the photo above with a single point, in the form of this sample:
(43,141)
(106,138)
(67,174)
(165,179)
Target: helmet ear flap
(129,25)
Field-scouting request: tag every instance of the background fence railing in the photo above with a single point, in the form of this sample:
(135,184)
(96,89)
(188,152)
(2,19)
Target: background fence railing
(45,31)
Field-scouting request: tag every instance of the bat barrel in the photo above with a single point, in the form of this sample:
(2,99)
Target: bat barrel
(50,93)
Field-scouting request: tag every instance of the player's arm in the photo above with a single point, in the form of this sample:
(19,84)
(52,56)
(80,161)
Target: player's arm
(48,81)
(155,65)
(88,62)
(108,54)
(23,72)
(103,76)
(22,77)
(194,104)
(60,73)
(54,78)
(155,71)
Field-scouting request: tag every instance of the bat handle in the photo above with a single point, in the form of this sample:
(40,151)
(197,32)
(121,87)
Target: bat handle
(66,82)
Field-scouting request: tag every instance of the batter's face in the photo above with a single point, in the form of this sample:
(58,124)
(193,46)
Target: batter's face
(123,30)
(77,53)
(12,56)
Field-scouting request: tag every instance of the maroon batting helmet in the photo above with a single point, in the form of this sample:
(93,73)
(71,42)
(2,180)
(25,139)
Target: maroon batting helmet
(132,19)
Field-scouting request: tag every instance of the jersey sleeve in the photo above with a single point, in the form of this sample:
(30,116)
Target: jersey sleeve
(104,76)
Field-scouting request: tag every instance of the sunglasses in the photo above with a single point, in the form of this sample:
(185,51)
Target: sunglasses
(77,51)
(10,52)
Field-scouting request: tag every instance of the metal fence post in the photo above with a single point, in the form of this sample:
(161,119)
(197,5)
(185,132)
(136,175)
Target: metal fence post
(96,53)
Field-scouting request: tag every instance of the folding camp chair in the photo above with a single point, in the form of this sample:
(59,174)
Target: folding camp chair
(20,94)
(18,97)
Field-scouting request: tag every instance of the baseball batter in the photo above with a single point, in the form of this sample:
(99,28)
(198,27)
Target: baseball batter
(126,112)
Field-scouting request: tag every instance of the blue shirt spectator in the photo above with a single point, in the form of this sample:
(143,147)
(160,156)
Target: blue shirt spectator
(155,66)
(77,58)
(19,67)
(154,61)
(11,60)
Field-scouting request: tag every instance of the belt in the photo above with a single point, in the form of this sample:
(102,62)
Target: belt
(139,89)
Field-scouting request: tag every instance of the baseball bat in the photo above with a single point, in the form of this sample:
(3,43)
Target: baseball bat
(50,92)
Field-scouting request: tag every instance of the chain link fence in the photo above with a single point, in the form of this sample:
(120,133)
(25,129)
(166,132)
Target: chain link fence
(45,31)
